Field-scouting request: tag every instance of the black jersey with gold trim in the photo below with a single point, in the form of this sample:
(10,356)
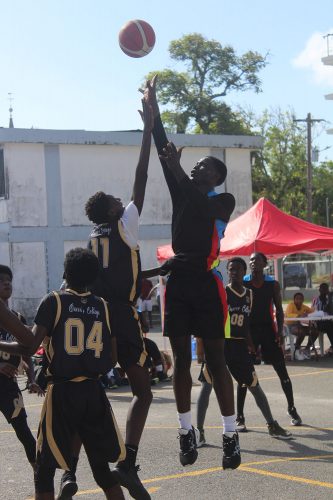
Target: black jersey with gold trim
(239,310)
(79,334)
(120,265)
(8,337)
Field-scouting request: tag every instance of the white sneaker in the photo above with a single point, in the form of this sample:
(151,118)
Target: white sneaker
(202,439)
(298,355)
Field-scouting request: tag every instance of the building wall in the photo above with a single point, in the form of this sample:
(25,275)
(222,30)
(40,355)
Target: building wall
(51,174)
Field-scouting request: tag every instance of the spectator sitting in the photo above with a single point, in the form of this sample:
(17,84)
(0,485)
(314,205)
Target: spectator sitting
(297,309)
(324,302)
(154,362)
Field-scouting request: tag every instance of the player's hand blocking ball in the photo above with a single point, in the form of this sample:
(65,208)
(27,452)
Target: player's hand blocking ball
(136,38)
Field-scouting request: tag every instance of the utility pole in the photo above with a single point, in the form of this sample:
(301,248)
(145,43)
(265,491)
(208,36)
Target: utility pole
(309,121)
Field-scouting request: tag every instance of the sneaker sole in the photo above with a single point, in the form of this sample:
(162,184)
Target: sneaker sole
(242,429)
(285,438)
(201,444)
(68,491)
(185,461)
(232,467)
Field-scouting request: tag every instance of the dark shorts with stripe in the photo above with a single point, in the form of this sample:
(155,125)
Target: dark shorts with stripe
(195,304)
(239,362)
(265,337)
(126,326)
(11,400)
(81,408)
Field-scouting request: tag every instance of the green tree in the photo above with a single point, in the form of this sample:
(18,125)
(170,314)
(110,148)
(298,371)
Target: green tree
(194,98)
(279,170)
(322,190)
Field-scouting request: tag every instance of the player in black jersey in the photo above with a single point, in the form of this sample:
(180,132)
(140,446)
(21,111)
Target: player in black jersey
(74,326)
(237,355)
(114,239)
(11,400)
(195,297)
(265,332)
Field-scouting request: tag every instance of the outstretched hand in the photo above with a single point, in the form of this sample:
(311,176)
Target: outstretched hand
(149,94)
(171,155)
(34,388)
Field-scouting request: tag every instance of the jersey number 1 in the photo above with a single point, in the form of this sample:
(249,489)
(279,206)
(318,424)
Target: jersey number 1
(104,244)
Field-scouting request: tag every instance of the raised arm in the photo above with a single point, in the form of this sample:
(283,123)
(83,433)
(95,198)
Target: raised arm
(160,137)
(140,181)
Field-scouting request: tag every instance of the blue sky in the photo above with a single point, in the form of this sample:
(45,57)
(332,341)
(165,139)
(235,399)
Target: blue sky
(61,60)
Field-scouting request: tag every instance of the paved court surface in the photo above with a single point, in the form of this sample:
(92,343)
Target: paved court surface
(271,469)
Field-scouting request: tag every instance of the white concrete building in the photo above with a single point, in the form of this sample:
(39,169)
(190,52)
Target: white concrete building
(46,176)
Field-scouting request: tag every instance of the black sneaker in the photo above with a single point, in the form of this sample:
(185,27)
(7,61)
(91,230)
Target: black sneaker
(278,432)
(163,377)
(240,424)
(188,439)
(68,486)
(231,451)
(295,418)
(129,479)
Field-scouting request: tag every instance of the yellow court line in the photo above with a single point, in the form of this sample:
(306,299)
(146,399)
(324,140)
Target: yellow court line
(319,372)
(287,477)
(287,459)
(244,467)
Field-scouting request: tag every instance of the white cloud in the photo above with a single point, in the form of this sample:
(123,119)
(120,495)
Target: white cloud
(311,55)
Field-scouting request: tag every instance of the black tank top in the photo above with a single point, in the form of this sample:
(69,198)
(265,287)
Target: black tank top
(263,305)
(79,344)
(239,309)
(5,336)
(120,266)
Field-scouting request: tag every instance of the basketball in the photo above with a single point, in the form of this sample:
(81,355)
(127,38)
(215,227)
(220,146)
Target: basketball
(136,38)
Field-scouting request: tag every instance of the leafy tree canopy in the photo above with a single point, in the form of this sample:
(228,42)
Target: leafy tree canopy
(194,98)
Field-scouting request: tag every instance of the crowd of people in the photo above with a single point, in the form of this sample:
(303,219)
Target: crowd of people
(93,323)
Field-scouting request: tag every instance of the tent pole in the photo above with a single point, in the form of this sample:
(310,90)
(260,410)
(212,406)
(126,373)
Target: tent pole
(276,269)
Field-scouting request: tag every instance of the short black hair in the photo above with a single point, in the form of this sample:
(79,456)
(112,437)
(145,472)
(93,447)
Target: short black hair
(262,255)
(97,208)
(298,293)
(81,267)
(6,270)
(220,167)
(239,260)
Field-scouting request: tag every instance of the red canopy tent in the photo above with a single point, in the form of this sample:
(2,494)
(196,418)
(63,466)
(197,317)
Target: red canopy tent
(264,228)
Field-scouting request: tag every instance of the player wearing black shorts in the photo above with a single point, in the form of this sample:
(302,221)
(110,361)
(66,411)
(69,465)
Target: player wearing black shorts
(11,400)
(237,355)
(265,332)
(74,326)
(195,297)
(114,239)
